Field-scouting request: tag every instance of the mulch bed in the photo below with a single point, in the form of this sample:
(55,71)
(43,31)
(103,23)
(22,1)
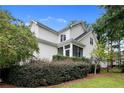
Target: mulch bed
(4,85)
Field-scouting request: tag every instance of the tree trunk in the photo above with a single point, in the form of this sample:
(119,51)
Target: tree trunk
(0,76)
(111,58)
(107,67)
(119,53)
(108,59)
(95,68)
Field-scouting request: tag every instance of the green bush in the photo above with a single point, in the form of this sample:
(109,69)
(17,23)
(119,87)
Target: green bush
(63,58)
(122,68)
(43,74)
(92,67)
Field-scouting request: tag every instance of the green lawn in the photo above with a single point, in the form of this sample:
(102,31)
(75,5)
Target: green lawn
(103,80)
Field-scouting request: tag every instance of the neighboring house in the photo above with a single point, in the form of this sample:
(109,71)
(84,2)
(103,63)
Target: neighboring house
(117,60)
(73,41)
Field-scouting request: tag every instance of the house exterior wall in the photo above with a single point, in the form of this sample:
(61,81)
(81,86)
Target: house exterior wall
(67,33)
(34,29)
(73,32)
(44,34)
(47,35)
(46,51)
(88,47)
(76,31)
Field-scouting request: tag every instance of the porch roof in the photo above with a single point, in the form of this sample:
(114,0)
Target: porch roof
(75,42)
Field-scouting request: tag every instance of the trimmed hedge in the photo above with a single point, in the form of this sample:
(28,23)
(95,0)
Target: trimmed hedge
(43,74)
(75,59)
(92,67)
(78,59)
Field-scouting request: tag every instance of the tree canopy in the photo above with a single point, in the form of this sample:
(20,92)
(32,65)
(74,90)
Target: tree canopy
(99,52)
(17,43)
(110,28)
(111,24)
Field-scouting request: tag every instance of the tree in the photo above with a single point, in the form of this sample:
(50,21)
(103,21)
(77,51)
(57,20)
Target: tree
(87,26)
(98,54)
(17,43)
(110,28)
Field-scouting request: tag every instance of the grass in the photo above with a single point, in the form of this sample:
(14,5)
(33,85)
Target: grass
(113,79)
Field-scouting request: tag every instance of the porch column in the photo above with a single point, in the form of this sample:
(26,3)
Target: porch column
(63,50)
(71,50)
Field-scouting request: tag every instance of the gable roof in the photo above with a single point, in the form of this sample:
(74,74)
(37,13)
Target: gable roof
(83,34)
(72,24)
(57,32)
(70,41)
(45,27)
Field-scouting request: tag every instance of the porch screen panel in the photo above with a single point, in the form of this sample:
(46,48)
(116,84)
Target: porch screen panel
(77,51)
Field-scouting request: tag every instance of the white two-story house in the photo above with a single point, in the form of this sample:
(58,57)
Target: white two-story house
(74,40)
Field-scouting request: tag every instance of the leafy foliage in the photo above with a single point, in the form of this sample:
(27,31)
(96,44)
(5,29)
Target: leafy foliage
(43,74)
(16,41)
(110,23)
(75,59)
(110,29)
(98,55)
(99,52)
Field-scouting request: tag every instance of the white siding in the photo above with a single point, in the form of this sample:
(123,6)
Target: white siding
(88,47)
(47,35)
(44,34)
(34,29)
(67,33)
(46,51)
(76,31)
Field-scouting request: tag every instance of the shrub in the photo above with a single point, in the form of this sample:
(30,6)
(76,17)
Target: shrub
(63,58)
(122,68)
(43,74)
(92,67)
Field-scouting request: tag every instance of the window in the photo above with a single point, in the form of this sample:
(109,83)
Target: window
(77,51)
(63,38)
(67,46)
(91,41)
(67,52)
